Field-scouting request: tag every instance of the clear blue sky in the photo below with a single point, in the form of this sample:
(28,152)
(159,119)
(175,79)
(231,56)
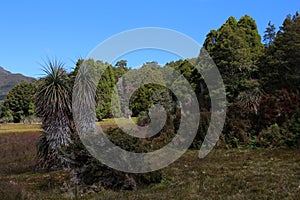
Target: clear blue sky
(31,30)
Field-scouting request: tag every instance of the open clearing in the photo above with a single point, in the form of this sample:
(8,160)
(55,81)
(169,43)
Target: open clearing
(223,174)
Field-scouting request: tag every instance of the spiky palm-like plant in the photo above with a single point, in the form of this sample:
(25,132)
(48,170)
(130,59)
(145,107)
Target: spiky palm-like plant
(53,106)
(250,99)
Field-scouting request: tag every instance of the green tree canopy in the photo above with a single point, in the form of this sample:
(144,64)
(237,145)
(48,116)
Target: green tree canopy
(236,47)
(18,104)
(280,65)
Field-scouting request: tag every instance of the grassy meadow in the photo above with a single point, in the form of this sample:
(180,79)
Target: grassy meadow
(223,174)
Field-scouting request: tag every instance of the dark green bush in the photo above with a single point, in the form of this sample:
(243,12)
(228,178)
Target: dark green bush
(87,170)
(164,136)
(143,118)
(125,141)
(271,137)
(292,131)
(286,135)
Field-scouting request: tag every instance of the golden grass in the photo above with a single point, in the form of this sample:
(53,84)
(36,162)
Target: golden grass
(22,128)
(122,121)
(19,128)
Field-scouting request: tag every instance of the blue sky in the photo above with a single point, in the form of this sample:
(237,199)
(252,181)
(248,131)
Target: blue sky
(31,30)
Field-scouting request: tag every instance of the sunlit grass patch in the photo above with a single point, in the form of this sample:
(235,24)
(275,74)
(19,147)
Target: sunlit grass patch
(122,121)
(111,123)
(19,128)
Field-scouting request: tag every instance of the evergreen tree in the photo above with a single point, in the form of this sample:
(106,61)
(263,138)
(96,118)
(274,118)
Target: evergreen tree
(18,103)
(186,68)
(104,94)
(270,34)
(236,47)
(287,52)
(279,67)
(211,39)
(120,69)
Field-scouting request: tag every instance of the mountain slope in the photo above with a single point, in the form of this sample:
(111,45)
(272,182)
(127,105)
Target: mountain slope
(8,80)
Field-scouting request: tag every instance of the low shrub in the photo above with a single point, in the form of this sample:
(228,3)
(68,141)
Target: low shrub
(286,135)
(88,171)
(271,137)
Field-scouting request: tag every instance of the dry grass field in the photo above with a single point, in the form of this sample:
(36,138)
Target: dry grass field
(223,174)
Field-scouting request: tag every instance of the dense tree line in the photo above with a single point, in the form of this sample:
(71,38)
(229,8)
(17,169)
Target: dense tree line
(262,82)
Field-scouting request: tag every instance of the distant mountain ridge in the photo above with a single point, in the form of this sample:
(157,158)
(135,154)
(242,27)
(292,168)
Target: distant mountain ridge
(8,80)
